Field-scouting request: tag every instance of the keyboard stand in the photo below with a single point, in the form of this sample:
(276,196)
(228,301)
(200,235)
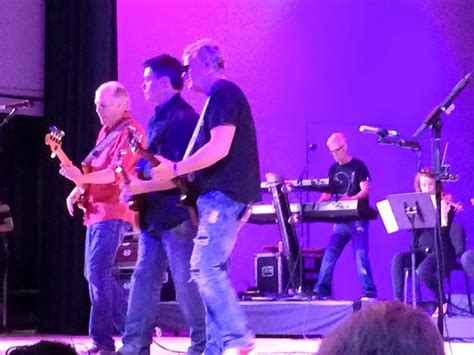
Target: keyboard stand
(292,250)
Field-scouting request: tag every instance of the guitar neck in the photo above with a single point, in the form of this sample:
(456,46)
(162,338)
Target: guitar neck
(63,158)
(148,156)
(125,176)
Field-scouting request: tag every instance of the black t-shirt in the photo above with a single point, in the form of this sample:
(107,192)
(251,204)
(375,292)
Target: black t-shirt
(345,179)
(168,134)
(238,174)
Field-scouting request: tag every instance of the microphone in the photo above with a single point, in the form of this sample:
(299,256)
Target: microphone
(379,131)
(414,145)
(312,146)
(16,105)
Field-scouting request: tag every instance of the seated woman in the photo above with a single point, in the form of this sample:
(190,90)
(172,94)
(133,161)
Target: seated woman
(425,256)
(467,259)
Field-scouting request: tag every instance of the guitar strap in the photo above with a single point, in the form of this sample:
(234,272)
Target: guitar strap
(104,143)
(199,124)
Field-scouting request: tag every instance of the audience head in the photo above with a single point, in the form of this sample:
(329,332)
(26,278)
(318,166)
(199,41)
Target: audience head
(385,328)
(43,348)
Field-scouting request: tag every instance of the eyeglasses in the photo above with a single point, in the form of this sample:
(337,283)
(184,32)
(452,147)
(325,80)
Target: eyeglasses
(337,149)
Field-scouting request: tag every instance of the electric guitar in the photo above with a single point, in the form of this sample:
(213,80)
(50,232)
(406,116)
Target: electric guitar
(188,196)
(54,140)
(135,203)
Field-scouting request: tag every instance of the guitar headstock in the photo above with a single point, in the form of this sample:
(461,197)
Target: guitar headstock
(54,139)
(134,139)
(119,166)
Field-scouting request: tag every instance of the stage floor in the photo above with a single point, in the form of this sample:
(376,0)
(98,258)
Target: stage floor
(279,346)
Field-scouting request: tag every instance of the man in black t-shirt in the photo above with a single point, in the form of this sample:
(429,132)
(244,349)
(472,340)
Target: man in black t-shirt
(227,177)
(348,180)
(167,233)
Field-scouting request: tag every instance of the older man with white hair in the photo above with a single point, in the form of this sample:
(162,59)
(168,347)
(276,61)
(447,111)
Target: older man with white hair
(348,180)
(106,217)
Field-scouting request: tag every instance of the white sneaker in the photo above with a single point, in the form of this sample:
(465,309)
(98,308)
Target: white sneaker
(368,299)
(436,312)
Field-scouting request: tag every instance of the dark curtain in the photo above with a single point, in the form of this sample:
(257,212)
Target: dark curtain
(80,54)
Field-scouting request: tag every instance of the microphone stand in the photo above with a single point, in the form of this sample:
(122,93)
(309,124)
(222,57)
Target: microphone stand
(8,117)
(304,227)
(435,123)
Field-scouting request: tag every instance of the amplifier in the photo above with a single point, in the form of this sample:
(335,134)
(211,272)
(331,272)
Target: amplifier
(127,255)
(271,273)
(168,292)
(125,260)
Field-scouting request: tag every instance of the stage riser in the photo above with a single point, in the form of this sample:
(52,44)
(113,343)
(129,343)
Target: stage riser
(287,318)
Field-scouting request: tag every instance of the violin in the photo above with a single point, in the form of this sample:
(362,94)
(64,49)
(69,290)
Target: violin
(456,206)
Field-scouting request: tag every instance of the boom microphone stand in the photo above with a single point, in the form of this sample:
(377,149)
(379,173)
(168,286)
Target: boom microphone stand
(435,123)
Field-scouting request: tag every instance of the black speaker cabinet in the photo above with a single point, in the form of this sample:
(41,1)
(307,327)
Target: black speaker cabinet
(271,273)
(125,261)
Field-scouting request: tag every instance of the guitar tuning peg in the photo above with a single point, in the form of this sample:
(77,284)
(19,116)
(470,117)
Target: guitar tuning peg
(53,155)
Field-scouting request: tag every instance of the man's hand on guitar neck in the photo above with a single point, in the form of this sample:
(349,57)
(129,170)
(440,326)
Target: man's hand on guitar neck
(71,172)
(138,186)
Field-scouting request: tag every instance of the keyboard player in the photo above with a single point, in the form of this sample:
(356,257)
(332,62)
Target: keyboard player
(349,179)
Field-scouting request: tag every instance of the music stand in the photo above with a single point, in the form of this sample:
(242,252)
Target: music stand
(410,211)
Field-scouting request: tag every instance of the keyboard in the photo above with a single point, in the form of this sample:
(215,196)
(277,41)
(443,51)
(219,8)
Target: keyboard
(320,185)
(331,211)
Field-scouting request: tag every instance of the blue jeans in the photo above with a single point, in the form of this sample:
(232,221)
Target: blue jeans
(172,248)
(108,300)
(400,262)
(358,231)
(218,227)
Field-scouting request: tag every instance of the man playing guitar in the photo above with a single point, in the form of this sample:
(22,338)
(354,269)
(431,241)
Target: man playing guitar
(106,217)
(167,232)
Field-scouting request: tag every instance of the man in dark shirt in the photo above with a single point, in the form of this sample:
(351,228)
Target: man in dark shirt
(348,180)
(166,230)
(227,177)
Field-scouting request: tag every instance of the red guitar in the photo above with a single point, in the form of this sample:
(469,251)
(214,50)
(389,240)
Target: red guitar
(135,203)
(54,140)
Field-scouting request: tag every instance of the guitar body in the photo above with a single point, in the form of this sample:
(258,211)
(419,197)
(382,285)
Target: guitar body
(188,197)
(189,194)
(82,203)
(137,202)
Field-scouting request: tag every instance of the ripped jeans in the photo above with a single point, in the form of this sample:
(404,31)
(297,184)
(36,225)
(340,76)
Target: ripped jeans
(358,231)
(218,227)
